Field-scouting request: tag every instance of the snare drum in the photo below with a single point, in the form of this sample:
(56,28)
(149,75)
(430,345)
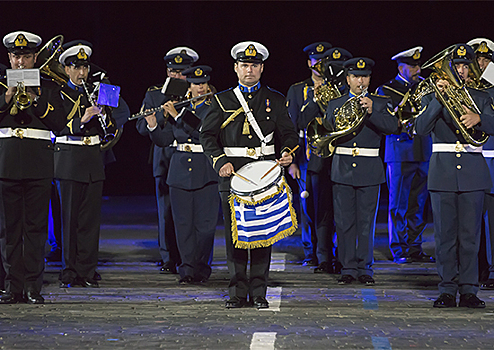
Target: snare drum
(262,213)
(254,171)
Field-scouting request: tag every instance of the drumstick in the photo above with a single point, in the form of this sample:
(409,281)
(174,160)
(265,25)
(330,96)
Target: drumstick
(274,166)
(244,178)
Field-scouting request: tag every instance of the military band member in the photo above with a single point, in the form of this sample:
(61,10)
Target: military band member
(26,172)
(357,172)
(407,158)
(231,139)
(177,60)
(458,178)
(79,168)
(193,182)
(484,54)
(297,94)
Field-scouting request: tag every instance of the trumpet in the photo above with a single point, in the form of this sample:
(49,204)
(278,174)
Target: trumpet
(22,100)
(107,136)
(160,108)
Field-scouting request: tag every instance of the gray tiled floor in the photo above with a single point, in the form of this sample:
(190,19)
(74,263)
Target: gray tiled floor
(137,308)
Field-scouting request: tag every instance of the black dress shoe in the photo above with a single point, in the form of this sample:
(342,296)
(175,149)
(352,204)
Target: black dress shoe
(236,303)
(470,300)
(422,258)
(367,280)
(65,284)
(54,255)
(34,298)
(402,260)
(260,303)
(309,262)
(84,282)
(168,268)
(186,280)
(489,284)
(324,267)
(11,298)
(337,267)
(345,279)
(96,276)
(445,300)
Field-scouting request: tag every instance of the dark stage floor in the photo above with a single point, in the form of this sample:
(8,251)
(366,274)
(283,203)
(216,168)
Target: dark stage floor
(137,308)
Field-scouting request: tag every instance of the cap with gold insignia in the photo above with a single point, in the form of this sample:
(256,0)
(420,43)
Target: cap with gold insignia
(178,61)
(337,54)
(463,53)
(184,50)
(250,51)
(21,42)
(412,57)
(197,74)
(317,50)
(359,66)
(77,53)
(482,47)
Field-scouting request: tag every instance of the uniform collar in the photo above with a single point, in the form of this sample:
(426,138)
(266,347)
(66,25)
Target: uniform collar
(403,80)
(352,95)
(196,106)
(250,89)
(74,87)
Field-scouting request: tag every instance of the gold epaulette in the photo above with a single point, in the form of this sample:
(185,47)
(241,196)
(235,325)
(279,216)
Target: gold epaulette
(391,89)
(376,95)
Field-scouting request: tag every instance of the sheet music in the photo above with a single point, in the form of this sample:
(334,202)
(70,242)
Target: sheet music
(30,77)
(489,73)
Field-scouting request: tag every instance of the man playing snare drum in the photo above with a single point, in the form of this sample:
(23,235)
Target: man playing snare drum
(231,139)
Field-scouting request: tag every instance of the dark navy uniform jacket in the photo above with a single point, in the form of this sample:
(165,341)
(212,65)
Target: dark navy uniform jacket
(76,162)
(362,170)
(451,171)
(489,146)
(161,155)
(269,109)
(30,158)
(399,147)
(188,170)
(295,97)
(302,110)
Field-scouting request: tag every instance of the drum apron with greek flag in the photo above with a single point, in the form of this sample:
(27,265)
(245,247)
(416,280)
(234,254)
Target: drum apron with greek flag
(261,209)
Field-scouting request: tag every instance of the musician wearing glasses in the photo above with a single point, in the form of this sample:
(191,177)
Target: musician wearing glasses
(231,139)
(458,177)
(484,54)
(27,115)
(193,182)
(79,168)
(177,60)
(407,158)
(357,170)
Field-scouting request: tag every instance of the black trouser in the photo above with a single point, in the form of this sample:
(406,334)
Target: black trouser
(195,213)
(166,231)
(23,233)
(237,259)
(81,218)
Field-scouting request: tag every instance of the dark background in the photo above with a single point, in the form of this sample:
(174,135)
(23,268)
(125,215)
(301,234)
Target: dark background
(130,39)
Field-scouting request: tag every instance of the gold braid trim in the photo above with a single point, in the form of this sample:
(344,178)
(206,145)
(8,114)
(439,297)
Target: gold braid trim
(75,108)
(391,89)
(231,117)
(48,110)
(215,159)
(69,125)
(268,242)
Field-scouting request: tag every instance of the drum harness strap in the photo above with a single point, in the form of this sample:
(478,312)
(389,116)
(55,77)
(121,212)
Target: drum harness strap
(252,120)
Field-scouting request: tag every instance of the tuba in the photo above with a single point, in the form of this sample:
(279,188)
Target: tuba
(48,60)
(348,118)
(455,95)
(326,92)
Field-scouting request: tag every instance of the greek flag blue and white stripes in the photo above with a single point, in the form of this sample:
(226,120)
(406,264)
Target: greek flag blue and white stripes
(257,225)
